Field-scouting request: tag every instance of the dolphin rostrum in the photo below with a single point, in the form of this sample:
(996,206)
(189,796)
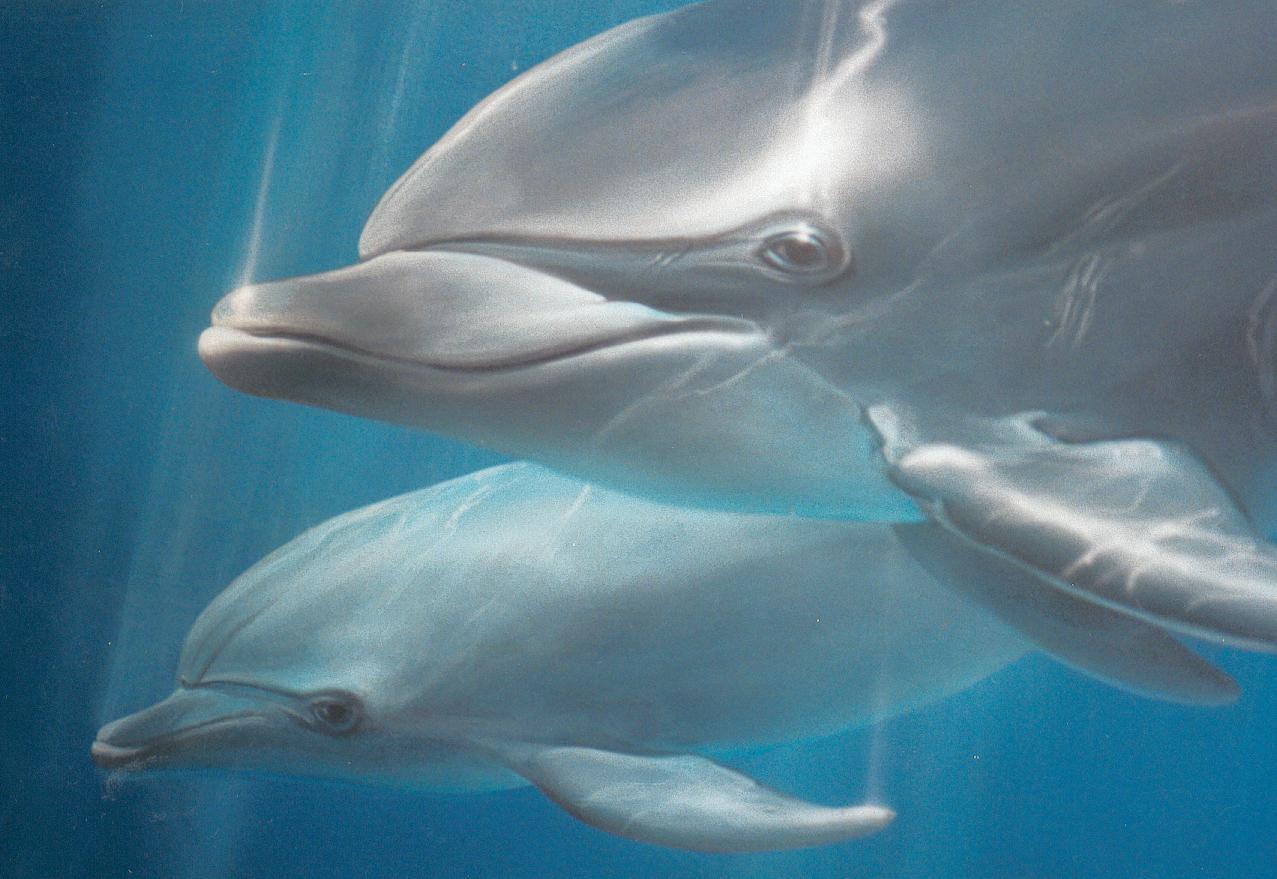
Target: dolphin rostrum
(514,626)
(1009,268)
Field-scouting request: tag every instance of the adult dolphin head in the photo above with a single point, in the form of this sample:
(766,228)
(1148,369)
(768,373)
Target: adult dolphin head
(586,268)
(516,627)
(686,257)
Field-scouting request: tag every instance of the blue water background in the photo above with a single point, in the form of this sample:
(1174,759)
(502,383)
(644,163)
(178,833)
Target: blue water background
(155,154)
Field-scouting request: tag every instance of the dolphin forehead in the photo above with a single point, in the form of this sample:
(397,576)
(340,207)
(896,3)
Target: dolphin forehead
(325,609)
(900,123)
(377,599)
(287,623)
(683,124)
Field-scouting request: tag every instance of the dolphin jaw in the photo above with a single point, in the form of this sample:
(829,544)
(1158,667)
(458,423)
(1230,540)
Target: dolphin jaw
(182,724)
(108,756)
(166,748)
(439,311)
(222,339)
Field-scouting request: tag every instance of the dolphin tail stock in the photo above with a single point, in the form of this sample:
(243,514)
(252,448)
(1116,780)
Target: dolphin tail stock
(686,801)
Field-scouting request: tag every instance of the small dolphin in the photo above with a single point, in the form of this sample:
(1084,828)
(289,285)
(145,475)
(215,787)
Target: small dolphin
(516,627)
(1010,268)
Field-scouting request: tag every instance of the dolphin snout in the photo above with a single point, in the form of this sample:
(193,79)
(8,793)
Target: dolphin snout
(438,309)
(367,306)
(158,733)
(108,756)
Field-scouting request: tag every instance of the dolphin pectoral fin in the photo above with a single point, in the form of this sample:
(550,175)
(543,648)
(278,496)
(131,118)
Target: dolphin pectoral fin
(1114,647)
(684,801)
(1139,526)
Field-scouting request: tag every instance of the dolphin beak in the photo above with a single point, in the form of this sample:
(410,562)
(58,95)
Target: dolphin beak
(167,730)
(435,309)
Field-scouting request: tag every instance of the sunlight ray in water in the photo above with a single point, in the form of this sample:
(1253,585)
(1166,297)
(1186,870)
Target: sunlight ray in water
(823,130)
(419,42)
(833,140)
(168,534)
(990,281)
(252,248)
(876,757)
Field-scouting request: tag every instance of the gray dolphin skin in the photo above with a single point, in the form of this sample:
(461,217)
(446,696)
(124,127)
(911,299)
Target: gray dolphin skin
(1007,268)
(516,627)
(687,255)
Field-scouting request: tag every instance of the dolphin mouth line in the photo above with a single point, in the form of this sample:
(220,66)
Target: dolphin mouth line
(109,756)
(514,362)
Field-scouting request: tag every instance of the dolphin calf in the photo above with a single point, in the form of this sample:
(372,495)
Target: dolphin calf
(516,627)
(1010,269)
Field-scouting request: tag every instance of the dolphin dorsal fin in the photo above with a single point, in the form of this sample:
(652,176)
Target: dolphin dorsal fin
(688,802)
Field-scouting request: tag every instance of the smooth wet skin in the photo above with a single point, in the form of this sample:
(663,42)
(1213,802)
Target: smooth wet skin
(575,311)
(514,627)
(686,256)
(845,260)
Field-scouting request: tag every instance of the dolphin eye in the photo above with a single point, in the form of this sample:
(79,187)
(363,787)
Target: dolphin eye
(802,251)
(335,714)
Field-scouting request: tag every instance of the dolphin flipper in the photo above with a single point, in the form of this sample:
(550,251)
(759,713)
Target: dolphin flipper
(1114,647)
(1140,526)
(688,802)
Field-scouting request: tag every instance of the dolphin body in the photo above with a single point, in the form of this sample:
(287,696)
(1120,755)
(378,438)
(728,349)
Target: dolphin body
(514,627)
(1008,268)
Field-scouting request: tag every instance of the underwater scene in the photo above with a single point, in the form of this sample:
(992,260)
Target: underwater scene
(749,438)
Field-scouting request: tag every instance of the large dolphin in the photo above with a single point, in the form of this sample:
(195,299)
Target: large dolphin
(516,627)
(1008,267)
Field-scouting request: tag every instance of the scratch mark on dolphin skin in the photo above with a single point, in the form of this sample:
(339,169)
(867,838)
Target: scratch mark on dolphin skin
(558,543)
(1261,345)
(828,334)
(1107,213)
(1075,304)
(665,390)
(748,369)
(465,506)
